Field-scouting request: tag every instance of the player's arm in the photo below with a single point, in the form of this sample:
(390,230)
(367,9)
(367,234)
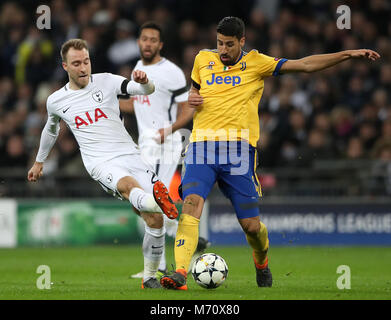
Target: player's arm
(140,85)
(322,61)
(48,138)
(184,115)
(195,99)
(126,105)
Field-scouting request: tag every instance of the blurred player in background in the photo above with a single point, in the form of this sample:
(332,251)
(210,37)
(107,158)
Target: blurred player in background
(160,115)
(89,106)
(226,89)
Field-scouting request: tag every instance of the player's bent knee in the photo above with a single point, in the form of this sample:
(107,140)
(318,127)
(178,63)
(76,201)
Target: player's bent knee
(125,185)
(252,230)
(250,226)
(193,205)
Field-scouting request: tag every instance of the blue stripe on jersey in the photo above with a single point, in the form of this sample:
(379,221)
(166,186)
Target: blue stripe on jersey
(241,56)
(278,66)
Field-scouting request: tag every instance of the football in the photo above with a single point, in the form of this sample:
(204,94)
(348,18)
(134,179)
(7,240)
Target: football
(209,270)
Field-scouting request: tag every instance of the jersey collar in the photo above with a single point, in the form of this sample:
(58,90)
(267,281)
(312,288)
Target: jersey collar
(240,57)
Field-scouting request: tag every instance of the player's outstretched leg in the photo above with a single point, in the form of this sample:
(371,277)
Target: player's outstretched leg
(159,201)
(162,198)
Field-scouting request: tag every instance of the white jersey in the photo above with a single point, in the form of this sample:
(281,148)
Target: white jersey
(93,115)
(159,110)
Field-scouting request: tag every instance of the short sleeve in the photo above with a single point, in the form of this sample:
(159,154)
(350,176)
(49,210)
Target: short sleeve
(118,83)
(195,73)
(269,66)
(179,88)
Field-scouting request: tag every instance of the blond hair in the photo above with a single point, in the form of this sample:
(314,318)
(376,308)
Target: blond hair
(77,44)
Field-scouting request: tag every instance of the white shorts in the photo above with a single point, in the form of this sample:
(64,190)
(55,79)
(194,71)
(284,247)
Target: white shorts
(110,172)
(163,158)
(165,172)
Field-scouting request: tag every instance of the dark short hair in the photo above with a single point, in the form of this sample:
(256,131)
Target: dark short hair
(232,27)
(151,25)
(77,44)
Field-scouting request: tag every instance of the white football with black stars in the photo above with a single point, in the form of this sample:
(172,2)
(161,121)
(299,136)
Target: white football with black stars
(209,270)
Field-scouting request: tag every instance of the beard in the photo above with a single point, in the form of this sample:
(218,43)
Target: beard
(80,83)
(229,62)
(148,59)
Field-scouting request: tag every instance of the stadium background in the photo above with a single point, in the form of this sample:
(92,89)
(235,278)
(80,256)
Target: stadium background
(325,146)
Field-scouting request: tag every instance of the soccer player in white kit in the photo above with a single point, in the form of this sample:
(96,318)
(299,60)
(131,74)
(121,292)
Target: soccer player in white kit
(89,105)
(160,114)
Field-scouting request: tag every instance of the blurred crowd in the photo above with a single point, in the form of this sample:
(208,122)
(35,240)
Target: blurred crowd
(340,113)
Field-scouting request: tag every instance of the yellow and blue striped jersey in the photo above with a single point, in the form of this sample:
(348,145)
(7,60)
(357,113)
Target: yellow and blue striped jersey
(231,95)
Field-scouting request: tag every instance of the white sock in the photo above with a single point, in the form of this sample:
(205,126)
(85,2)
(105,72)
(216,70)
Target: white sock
(143,201)
(153,247)
(163,262)
(171,226)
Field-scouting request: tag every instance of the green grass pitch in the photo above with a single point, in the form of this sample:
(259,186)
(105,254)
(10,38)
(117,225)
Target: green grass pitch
(102,272)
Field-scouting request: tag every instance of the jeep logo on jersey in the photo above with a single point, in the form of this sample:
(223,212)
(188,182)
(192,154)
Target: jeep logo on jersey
(98,96)
(234,80)
(80,120)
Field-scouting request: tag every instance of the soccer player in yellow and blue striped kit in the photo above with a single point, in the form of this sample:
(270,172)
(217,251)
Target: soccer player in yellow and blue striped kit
(227,85)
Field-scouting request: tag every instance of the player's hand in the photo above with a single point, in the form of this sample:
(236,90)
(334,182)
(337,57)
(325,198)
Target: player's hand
(35,172)
(365,53)
(195,100)
(162,134)
(140,77)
